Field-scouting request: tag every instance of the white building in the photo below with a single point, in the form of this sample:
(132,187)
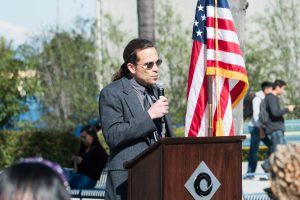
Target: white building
(126,10)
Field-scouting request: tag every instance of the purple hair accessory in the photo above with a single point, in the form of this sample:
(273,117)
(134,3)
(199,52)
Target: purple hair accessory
(52,165)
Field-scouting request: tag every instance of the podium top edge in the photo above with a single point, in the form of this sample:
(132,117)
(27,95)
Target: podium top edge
(202,140)
(184,140)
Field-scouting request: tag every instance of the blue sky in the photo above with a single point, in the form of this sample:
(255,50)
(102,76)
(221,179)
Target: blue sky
(20,18)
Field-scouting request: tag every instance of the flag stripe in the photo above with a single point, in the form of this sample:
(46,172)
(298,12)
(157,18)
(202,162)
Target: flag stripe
(236,95)
(193,63)
(228,66)
(197,82)
(200,107)
(222,24)
(222,13)
(225,46)
(225,35)
(226,57)
(203,131)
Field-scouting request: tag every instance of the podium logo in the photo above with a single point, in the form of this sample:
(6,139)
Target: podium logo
(203,184)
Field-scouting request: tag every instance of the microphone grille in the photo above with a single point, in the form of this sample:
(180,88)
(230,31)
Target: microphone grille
(160,84)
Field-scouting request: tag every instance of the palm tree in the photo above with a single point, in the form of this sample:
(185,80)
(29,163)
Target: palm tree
(146,19)
(238,9)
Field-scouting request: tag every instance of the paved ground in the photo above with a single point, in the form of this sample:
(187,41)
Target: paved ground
(255,185)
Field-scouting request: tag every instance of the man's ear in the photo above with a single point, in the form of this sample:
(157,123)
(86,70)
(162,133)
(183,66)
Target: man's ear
(131,67)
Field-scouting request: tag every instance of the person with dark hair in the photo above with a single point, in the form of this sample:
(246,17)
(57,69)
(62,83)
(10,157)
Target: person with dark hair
(274,127)
(89,162)
(255,128)
(132,114)
(33,179)
(130,56)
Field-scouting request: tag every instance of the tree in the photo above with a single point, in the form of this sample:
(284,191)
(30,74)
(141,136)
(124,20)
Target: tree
(275,52)
(175,50)
(113,41)
(238,9)
(18,83)
(66,64)
(146,19)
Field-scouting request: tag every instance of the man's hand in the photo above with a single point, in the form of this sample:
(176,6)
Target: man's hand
(291,108)
(77,159)
(159,109)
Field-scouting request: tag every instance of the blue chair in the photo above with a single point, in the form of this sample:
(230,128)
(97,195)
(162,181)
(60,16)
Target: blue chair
(98,192)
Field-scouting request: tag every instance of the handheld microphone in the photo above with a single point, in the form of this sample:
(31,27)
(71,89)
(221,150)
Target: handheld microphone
(161,92)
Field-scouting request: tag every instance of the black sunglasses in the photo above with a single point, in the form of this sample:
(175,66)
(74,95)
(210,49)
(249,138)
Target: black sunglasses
(149,65)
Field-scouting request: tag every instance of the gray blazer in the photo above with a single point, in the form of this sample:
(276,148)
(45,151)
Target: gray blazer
(126,126)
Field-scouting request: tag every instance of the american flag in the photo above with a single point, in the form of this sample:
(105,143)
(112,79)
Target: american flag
(216,52)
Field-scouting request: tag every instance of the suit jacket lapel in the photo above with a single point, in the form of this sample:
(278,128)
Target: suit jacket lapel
(155,92)
(131,98)
(135,106)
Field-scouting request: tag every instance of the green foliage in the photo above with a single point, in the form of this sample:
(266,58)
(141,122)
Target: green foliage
(70,72)
(66,64)
(174,45)
(17,83)
(261,154)
(259,64)
(274,53)
(102,142)
(179,132)
(112,42)
(54,145)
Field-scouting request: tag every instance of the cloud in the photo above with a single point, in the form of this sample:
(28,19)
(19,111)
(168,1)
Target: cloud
(18,34)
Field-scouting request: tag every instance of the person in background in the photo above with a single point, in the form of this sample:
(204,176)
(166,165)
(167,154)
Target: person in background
(284,172)
(89,162)
(133,116)
(33,179)
(256,130)
(275,126)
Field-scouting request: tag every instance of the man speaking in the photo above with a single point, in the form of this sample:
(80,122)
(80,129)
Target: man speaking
(132,114)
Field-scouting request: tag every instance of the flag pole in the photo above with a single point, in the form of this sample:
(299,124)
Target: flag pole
(210,106)
(209,79)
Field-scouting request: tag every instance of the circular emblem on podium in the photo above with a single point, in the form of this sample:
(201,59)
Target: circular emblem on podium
(202,184)
(201,191)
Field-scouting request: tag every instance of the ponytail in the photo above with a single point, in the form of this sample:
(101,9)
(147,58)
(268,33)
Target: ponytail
(120,73)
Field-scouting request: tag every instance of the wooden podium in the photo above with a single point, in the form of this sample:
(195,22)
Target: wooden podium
(161,171)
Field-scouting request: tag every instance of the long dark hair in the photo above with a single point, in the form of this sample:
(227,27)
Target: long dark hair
(31,181)
(92,131)
(130,55)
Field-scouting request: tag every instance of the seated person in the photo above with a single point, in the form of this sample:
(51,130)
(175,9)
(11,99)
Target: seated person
(33,179)
(89,162)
